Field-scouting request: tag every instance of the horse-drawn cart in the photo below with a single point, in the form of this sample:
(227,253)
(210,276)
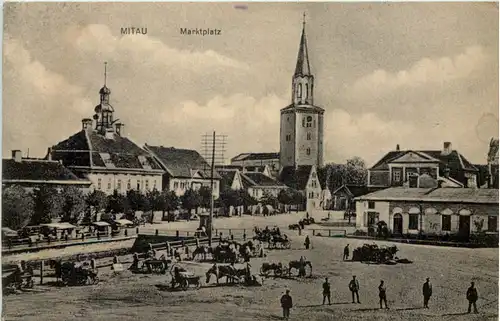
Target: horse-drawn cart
(15,279)
(72,273)
(276,268)
(183,279)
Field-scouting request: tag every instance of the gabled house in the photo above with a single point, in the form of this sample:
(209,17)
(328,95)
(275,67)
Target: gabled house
(305,179)
(183,169)
(257,159)
(257,184)
(264,169)
(402,168)
(32,173)
(230,180)
(343,197)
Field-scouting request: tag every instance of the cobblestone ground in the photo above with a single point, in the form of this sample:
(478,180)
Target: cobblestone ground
(145,297)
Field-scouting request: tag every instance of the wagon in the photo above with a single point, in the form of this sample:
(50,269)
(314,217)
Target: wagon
(13,278)
(75,274)
(183,279)
(155,266)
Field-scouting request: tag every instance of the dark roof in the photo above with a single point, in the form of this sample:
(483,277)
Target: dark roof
(241,168)
(255,156)
(357,190)
(181,162)
(450,195)
(227,178)
(259,179)
(454,160)
(295,178)
(86,148)
(38,170)
(307,108)
(302,68)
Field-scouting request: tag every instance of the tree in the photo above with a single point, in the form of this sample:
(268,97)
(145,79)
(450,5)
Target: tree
(18,207)
(286,196)
(247,199)
(117,203)
(73,204)
(230,198)
(170,202)
(136,200)
(96,202)
(353,172)
(205,196)
(269,199)
(191,200)
(154,202)
(48,205)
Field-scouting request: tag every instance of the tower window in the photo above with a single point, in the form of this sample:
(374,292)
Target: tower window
(288,137)
(307,91)
(309,121)
(299,92)
(303,122)
(308,136)
(308,151)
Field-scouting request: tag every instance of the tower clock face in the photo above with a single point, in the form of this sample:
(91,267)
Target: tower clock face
(309,118)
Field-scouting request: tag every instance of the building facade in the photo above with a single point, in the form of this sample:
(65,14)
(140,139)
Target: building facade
(102,154)
(184,169)
(403,168)
(305,179)
(251,160)
(434,211)
(301,123)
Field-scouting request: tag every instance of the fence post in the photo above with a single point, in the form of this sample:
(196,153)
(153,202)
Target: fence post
(187,233)
(41,272)
(177,234)
(314,232)
(230,232)
(329,232)
(137,230)
(156,232)
(126,232)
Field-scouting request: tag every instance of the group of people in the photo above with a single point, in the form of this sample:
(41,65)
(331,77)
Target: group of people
(286,299)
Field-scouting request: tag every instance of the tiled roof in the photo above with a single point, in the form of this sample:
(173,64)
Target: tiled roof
(295,178)
(37,170)
(241,168)
(84,146)
(227,178)
(455,195)
(454,160)
(259,179)
(181,162)
(255,156)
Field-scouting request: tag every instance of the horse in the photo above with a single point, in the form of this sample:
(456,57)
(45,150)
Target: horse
(222,271)
(202,250)
(297,265)
(277,268)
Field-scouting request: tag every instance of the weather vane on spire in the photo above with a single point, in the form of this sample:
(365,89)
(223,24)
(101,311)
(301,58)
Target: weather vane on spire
(105,72)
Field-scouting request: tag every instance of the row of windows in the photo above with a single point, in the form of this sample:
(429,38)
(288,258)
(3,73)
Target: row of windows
(299,90)
(289,137)
(312,195)
(308,122)
(129,184)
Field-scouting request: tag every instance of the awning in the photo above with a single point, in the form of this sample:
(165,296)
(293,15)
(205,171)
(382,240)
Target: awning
(60,226)
(100,223)
(8,232)
(123,222)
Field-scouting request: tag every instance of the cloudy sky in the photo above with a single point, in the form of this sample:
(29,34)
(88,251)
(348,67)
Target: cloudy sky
(414,74)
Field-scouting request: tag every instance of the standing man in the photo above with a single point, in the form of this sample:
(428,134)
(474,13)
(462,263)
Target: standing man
(307,242)
(472,297)
(382,294)
(346,252)
(286,304)
(354,288)
(326,292)
(427,292)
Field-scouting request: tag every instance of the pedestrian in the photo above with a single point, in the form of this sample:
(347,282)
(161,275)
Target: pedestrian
(346,252)
(472,297)
(286,304)
(354,288)
(307,215)
(307,242)
(244,236)
(326,291)
(382,294)
(300,230)
(427,292)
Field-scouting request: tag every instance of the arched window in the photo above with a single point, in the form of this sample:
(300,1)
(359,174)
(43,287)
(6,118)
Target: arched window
(299,92)
(307,91)
(308,151)
(464,212)
(303,122)
(397,210)
(309,121)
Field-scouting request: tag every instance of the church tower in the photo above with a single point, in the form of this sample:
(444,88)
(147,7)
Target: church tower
(301,124)
(104,111)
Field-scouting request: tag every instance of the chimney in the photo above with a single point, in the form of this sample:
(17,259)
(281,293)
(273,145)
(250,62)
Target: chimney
(49,153)
(87,124)
(118,128)
(446,148)
(109,134)
(17,155)
(397,147)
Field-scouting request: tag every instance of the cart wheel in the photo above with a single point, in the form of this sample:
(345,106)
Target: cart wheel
(185,284)
(278,272)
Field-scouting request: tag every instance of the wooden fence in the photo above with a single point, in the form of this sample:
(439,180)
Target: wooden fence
(329,232)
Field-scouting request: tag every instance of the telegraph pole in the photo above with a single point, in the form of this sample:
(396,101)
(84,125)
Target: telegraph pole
(211,193)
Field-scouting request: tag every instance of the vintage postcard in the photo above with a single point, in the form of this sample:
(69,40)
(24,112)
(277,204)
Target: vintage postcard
(250,161)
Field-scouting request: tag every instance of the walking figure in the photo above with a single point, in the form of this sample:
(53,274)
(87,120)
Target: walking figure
(354,288)
(307,242)
(427,292)
(382,294)
(472,297)
(346,252)
(326,291)
(286,304)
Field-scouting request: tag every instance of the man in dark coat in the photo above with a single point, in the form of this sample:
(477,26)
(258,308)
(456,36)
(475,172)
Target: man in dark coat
(427,292)
(346,252)
(354,288)
(307,242)
(286,304)
(382,294)
(472,297)
(326,291)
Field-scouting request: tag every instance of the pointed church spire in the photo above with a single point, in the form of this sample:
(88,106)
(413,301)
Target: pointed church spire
(302,67)
(105,72)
